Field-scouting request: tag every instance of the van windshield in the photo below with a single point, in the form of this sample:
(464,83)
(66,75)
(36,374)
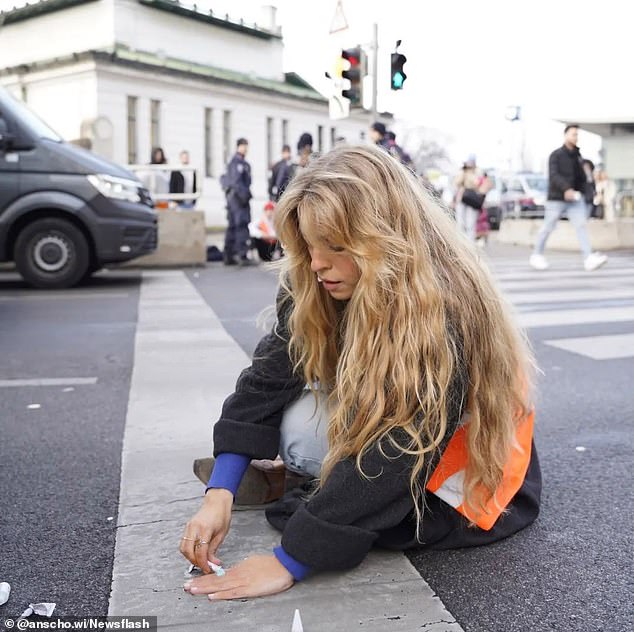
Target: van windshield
(28,119)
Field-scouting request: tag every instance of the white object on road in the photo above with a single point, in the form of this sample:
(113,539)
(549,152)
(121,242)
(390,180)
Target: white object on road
(218,570)
(44,609)
(5,591)
(580,448)
(34,406)
(297,622)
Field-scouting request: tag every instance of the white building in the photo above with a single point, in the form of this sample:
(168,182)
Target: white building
(129,75)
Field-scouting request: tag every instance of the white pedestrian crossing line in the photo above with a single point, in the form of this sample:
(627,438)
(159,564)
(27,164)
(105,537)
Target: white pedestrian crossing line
(554,317)
(609,347)
(546,299)
(176,389)
(49,381)
(591,295)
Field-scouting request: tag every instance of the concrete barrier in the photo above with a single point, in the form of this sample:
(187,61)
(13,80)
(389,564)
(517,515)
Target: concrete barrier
(181,238)
(604,235)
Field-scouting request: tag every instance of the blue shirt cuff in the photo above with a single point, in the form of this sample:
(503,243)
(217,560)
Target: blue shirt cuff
(295,568)
(228,471)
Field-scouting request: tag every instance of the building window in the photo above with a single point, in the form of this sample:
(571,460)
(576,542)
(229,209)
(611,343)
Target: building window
(284,132)
(155,123)
(320,138)
(209,145)
(226,136)
(333,137)
(132,140)
(269,143)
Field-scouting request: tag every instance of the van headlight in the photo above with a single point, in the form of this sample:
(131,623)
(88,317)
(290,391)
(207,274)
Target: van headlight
(116,188)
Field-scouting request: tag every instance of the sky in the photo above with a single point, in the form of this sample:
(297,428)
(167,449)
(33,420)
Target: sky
(469,61)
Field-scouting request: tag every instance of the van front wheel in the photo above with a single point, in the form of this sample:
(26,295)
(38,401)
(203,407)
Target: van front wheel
(51,253)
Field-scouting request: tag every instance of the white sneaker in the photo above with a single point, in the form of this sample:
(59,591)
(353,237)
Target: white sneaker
(538,262)
(594,260)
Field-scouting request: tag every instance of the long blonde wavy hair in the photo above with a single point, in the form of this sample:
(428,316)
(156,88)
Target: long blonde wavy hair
(423,305)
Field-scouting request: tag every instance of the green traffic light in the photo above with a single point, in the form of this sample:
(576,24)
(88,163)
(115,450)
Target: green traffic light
(398,75)
(397,80)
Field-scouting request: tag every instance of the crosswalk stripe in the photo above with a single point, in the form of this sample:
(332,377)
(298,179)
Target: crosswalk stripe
(610,347)
(576,317)
(571,295)
(567,295)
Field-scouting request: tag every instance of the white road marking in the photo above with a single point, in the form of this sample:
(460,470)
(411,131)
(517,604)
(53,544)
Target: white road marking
(49,381)
(609,347)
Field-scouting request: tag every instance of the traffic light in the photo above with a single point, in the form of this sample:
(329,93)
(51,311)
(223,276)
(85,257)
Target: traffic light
(354,74)
(397,76)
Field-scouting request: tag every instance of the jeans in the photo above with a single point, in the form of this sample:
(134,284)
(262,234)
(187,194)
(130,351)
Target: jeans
(577,215)
(466,218)
(303,441)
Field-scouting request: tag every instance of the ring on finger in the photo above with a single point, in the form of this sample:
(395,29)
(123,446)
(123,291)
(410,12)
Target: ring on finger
(189,539)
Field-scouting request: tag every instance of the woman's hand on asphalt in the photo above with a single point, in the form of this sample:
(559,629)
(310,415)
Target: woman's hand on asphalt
(206,531)
(257,576)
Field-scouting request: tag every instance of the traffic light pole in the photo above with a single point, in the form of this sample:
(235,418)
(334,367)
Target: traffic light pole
(375,71)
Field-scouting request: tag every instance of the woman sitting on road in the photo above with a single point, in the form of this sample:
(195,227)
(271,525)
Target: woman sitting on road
(416,423)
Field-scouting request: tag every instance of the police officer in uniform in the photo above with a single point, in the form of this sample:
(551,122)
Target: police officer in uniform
(238,207)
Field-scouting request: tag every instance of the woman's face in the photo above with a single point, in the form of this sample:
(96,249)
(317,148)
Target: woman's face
(335,269)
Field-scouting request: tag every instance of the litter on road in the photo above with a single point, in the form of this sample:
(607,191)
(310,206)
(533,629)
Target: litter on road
(43,609)
(297,622)
(5,591)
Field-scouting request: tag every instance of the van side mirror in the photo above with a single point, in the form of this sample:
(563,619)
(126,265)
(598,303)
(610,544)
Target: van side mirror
(6,138)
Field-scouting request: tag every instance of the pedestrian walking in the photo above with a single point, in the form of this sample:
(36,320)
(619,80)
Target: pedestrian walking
(237,186)
(280,174)
(471,189)
(381,380)
(566,194)
(604,198)
(183,181)
(395,149)
(377,134)
(590,189)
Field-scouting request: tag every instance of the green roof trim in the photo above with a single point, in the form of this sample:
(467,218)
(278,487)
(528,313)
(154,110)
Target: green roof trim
(293,86)
(39,8)
(174,6)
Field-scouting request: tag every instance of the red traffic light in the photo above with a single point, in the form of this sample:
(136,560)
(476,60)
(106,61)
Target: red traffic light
(353,55)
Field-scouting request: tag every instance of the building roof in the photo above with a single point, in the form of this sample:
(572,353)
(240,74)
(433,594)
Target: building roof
(293,86)
(42,7)
(603,126)
(35,9)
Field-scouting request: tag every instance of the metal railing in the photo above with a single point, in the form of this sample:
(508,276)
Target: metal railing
(156,179)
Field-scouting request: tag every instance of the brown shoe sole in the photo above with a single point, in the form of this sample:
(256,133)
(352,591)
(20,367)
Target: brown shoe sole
(258,487)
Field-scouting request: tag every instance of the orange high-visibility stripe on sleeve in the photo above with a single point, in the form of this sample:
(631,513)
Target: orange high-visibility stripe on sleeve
(447,480)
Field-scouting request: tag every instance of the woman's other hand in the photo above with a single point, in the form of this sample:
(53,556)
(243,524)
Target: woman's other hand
(206,531)
(256,576)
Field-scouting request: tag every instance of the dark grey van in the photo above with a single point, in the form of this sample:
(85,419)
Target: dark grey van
(64,211)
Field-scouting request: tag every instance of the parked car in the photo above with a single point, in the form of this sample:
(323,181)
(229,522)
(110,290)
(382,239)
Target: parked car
(524,195)
(64,211)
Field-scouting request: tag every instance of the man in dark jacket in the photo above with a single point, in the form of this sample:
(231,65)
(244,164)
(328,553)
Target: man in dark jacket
(566,189)
(238,191)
